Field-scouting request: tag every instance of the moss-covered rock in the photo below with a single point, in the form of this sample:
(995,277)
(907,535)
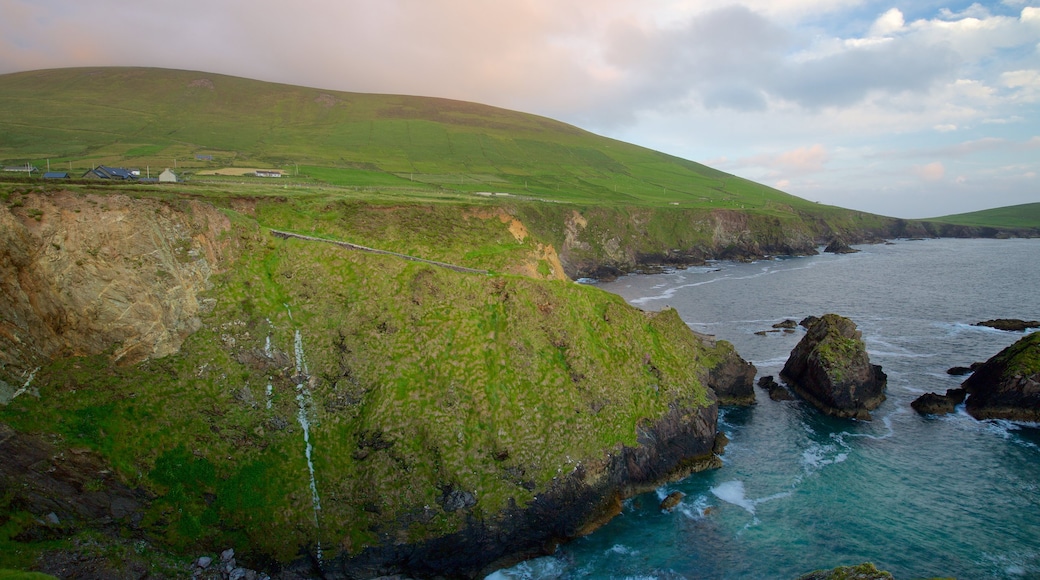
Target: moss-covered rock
(865,571)
(1007,386)
(830,368)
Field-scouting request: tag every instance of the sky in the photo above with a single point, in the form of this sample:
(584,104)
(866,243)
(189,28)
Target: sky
(907,109)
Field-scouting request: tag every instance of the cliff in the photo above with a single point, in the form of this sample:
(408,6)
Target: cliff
(289,397)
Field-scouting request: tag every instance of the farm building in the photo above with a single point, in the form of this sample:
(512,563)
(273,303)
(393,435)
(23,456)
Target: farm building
(268,173)
(56,175)
(103,172)
(30,169)
(167,176)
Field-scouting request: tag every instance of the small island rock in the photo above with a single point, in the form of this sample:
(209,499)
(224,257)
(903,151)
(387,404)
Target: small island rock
(1007,386)
(1010,324)
(830,368)
(936,404)
(776,391)
(839,246)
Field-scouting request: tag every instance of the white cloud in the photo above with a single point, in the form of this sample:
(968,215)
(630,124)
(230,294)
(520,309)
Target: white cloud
(946,128)
(888,23)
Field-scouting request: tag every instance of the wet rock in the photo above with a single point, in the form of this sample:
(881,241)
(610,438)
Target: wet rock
(776,391)
(1007,386)
(959,371)
(936,404)
(808,321)
(672,500)
(831,370)
(786,324)
(1010,324)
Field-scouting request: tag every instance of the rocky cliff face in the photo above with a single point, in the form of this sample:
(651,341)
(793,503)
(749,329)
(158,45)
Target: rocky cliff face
(85,274)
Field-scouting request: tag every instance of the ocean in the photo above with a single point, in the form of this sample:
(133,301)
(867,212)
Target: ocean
(918,496)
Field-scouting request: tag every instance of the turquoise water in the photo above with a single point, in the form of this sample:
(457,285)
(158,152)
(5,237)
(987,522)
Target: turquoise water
(918,496)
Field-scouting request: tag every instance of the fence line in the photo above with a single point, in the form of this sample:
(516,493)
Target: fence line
(350,246)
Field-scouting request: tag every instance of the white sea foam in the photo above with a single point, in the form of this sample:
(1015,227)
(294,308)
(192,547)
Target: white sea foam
(733,492)
(544,568)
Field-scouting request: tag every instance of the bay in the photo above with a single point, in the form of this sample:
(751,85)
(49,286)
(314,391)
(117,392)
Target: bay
(918,496)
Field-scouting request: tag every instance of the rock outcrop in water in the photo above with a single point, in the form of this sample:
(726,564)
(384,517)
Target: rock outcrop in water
(1007,386)
(1010,324)
(733,379)
(830,368)
(936,404)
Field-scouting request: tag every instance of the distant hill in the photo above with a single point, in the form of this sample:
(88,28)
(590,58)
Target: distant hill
(1026,215)
(201,122)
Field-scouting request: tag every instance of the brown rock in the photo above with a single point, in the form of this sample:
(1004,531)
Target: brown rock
(672,500)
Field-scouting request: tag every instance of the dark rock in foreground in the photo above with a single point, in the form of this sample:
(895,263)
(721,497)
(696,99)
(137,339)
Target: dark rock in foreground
(1007,386)
(865,571)
(839,246)
(936,404)
(1010,324)
(829,368)
(733,379)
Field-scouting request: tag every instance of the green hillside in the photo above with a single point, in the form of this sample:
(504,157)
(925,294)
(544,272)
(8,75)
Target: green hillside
(200,122)
(1026,215)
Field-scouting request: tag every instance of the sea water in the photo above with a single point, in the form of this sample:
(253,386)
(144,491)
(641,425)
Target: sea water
(798,491)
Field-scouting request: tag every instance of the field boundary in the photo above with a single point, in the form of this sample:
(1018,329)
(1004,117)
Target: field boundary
(359,248)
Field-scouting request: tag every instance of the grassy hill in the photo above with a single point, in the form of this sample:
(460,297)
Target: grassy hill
(202,122)
(1015,216)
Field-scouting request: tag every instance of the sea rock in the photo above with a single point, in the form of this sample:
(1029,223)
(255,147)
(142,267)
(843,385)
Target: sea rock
(1007,386)
(830,368)
(1010,324)
(733,380)
(839,246)
(672,500)
(776,391)
(786,324)
(808,321)
(959,371)
(865,571)
(936,404)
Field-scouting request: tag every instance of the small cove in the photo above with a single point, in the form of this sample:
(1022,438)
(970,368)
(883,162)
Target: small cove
(919,496)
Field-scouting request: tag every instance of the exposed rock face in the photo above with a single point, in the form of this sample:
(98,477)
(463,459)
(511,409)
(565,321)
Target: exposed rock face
(1007,386)
(682,442)
(829,368)
(82,274)
(733,379)
(74,487)
(936,404)
(1010,324)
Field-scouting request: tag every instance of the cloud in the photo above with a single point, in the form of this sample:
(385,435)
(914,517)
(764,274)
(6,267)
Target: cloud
(934,171)
(889,22)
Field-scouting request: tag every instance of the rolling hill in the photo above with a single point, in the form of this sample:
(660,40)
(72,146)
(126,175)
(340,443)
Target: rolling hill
(198,121)
(1026,215)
